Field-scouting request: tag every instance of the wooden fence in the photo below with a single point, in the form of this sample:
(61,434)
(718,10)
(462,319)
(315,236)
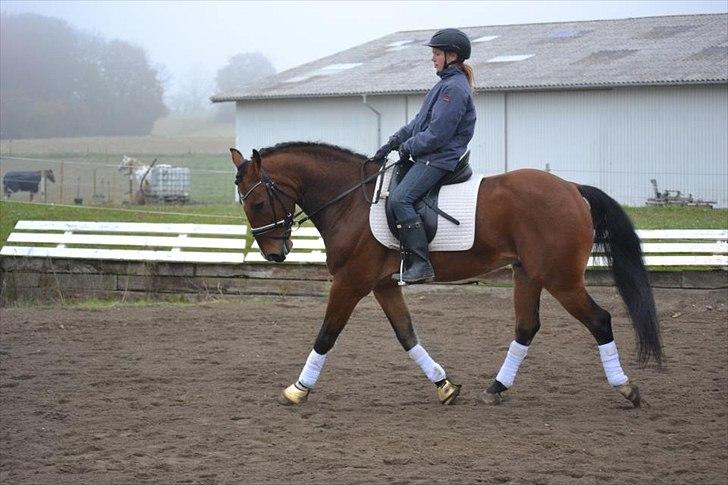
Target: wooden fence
(53,259)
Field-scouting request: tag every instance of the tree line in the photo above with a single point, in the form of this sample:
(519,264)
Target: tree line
(58,81)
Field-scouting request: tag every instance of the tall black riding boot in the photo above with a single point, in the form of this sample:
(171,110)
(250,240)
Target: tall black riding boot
(415,254)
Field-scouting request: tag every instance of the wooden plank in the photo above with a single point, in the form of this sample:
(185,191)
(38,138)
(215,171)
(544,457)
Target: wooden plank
(301,244)
(308,272)
(116,240)
(673,247)
(124,254)
(708,234)
(305,231)
(300,257)
(690,248)
(140,227)
(671,261)
(213,286)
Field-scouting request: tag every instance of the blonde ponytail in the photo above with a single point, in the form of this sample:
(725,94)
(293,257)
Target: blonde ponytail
(468,70)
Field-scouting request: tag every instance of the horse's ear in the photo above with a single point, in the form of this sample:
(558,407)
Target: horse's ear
(256,159)
(237,157)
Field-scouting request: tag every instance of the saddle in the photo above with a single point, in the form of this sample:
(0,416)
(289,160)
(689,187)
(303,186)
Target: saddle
(426,206)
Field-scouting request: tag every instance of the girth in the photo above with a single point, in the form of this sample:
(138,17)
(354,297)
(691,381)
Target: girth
(426,206)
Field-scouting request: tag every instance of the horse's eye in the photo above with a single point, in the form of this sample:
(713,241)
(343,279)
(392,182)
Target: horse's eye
(258,206)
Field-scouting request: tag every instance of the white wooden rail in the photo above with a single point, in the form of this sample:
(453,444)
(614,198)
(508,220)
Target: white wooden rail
(680,247)
(216,243)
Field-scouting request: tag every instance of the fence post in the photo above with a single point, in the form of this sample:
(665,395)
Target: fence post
(60,197)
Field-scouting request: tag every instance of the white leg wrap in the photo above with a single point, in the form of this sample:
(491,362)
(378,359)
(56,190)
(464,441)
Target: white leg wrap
(509,369)
(432,369)
(312,369)
(612,367)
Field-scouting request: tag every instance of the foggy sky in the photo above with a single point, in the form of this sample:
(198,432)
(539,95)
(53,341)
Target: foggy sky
(200,36)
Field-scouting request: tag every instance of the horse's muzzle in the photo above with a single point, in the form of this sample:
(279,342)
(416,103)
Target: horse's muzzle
(279,257)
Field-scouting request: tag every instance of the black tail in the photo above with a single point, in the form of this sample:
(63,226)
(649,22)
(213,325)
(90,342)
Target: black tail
(616,238)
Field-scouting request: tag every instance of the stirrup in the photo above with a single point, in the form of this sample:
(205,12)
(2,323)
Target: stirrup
(401,281)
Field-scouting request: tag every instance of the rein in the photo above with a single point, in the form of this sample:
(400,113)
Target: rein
(289,220)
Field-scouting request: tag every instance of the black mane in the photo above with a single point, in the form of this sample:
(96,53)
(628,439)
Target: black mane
(309,146)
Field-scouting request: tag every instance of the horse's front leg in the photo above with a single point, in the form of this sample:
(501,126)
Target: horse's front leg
(389,296)
(342,300)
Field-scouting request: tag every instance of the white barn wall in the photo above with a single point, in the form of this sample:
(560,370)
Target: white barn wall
(615,139)
(619,139)
(346,122)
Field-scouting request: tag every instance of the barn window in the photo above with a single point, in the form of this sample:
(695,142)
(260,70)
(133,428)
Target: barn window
(329,70)
(486,38)
(334,68)
(513,58)
(717,52)
(605,56)
(666,31)
(567,34)
(399,45)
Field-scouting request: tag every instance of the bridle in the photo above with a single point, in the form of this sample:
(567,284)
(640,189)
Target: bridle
(275,192)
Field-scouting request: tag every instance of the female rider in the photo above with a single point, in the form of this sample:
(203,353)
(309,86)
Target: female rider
(436,139)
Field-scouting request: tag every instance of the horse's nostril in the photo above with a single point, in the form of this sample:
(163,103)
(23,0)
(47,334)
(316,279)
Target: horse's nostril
(276,258)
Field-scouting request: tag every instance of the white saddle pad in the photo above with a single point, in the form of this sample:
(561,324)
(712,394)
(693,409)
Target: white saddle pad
(456,200)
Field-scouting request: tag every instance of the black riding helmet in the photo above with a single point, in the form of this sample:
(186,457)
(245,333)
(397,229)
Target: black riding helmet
(451,40)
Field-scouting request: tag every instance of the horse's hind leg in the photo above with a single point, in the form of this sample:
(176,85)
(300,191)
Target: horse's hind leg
(599,323)
(392,302)
(526,301)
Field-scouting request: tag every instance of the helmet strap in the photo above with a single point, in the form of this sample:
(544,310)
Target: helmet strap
(448,64)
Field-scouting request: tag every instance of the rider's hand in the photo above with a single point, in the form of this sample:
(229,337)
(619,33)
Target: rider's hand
(382,153)
(404,153)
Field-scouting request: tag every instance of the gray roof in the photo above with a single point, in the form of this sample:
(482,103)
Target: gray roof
(685,49)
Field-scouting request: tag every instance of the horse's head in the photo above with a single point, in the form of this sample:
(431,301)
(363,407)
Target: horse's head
(128,163)
(268,205)
(49,175)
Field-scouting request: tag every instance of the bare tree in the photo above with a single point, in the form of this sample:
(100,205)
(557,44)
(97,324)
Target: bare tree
(241,69)
(192,92)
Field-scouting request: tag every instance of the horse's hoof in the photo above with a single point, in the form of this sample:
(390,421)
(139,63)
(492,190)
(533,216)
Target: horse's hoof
(631,393)
(492,398)
(292,396)
(448,391)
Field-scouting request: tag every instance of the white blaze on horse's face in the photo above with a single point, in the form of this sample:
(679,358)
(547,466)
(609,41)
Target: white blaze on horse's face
(262,209)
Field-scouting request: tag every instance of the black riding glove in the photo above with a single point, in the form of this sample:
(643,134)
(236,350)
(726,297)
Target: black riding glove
(404,154)
(382,153)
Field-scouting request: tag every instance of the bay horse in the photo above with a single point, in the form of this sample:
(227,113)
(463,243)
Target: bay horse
(541,225)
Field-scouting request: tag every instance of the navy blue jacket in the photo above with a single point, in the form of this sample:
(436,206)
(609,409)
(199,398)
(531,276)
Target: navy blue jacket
(440,132)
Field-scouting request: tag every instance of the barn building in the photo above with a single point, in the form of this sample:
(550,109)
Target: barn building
(610,103)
